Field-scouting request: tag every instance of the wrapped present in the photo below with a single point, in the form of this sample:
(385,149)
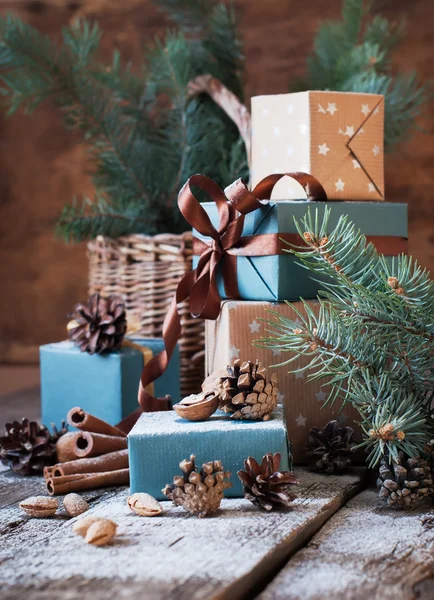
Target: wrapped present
(102,384)
(160,440)
(232,335)
(279,277)
(335,136)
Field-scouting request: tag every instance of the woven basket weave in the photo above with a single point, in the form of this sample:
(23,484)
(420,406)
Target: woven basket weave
(144,271)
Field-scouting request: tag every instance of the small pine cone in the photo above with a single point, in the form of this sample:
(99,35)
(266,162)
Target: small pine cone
(100,326)
(329,450)
(28,446)
(406,483)
(265,485)
(199,492)
(245,392)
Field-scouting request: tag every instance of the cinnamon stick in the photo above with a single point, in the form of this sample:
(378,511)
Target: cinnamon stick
(89,444)
(80,444)
(86,481)
(65,446)
(77,417)
(112,461)
(48,472)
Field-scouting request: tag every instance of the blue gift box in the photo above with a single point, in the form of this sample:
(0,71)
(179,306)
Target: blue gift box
(279,277)
(105,385)
(160,440)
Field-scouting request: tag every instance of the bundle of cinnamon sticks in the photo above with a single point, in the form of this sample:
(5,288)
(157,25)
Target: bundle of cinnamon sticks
(95,456)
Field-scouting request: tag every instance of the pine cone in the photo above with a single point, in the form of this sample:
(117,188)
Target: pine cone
(264,484)
(199,492)
(406,483)
(245,393)
(28,446)
(329,450)
(100,326)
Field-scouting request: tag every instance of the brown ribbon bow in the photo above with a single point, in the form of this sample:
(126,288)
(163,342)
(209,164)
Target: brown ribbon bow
(200,285)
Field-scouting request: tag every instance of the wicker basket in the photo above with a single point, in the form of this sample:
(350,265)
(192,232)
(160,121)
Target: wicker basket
(144,271)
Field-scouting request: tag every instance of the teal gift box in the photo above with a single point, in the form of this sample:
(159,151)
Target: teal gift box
(278,277)
(159,441)
(105,385)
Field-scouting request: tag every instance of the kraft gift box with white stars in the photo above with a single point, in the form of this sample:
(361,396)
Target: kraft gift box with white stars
(231,336)
(335,136)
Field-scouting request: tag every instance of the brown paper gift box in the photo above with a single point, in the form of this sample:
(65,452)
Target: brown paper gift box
(231,337)
(335,136)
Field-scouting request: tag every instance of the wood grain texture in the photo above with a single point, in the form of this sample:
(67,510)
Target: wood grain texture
(172,556)
(42,166)
(364,551)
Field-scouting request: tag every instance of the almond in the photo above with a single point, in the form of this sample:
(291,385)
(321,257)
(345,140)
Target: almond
(144,505)
(39,506)
(101,532)
(81,526)
(75,505)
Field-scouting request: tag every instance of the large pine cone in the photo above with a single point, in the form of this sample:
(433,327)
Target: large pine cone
(100,326)
(199,492)
(264,484)
(329,450)
(28,446)
(245,392)
(406,483)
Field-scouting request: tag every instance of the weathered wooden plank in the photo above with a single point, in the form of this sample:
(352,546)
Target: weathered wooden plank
(172,556)
(364,551)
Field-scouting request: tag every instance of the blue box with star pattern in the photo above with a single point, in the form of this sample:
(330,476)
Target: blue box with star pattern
(279,277)
(159,441)
(105,385)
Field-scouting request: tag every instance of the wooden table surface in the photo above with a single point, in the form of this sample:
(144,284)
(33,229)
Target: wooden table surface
(336,542)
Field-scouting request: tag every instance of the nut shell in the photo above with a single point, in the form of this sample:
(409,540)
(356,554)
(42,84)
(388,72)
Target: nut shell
(197,407)
(39,506)
(144,505)
(101,532)
(75,505)
(81,526)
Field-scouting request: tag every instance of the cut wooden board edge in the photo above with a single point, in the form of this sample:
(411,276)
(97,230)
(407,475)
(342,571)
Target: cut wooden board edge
(364,551)
(253,583)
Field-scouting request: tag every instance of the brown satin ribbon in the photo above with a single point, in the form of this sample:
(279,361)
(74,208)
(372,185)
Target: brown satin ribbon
(251,245)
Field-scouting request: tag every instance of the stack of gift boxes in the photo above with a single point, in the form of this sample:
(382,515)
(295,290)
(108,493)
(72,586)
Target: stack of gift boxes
(338,138)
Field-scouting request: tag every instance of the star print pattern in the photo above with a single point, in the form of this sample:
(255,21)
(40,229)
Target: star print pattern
(334,136)
(254,326)
(234,352)
(323,149)
(301,421)
(339,185)
(321,396)
(371,187)
(299,375)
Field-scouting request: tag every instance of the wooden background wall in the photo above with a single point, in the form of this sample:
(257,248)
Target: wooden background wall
(42,165)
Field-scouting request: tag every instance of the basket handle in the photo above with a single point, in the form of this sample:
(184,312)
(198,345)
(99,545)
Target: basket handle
(227,101)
